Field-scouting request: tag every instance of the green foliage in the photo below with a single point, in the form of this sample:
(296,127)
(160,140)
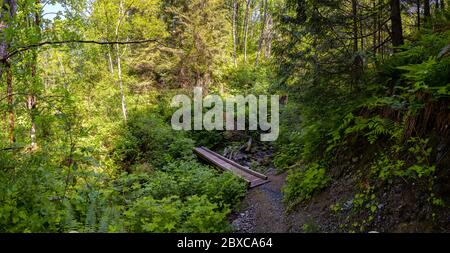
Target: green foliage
(200,29)
(387,168)
(250,79)
(29,198)
(287,156)
(311,227)
(367,200)
(73,177)
(302,183)
(365,203)
(168,200)
(423,66)
(371,128)
(436,201)
(183,197)
(376,111)
(148,139)
(170,214)
(207,138)
(190,178)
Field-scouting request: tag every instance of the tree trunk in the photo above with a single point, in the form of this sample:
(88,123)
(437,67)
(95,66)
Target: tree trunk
(9,84)
(361,33)
(262,36)
(31,105)
(379,28)
(375,32)
(247,13)
(119,65)
(8,8)
(268,41)
(234,32)
(119,75)
(418,14)
(110,62)
(238,26)
(426,11)
(355,25)
(31,99)
(396,23)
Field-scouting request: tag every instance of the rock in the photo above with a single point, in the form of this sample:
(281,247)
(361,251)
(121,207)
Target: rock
(348,205)
(444,52)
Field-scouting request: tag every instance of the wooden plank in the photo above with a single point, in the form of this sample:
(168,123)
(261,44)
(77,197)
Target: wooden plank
(244,168)
(253,178)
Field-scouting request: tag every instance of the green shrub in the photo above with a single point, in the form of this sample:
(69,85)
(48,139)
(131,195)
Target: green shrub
(193,178)
(150,215)
(302,183)
(148,139)
(387,166)
(204,216)
(28,197)
(170,214)
(163,201)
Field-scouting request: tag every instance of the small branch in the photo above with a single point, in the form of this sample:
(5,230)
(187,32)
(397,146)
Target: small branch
(29,47)
(382,44)
(11,148)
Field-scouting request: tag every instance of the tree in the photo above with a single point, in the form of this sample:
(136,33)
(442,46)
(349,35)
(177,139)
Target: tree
(123,20)
(246,26)
(418,4)
(263,31)
(426,10)
(8,12)
(121,16)
(234,25)
(269,33)
(201,33)
(355,25)
(396,23)
(31,98)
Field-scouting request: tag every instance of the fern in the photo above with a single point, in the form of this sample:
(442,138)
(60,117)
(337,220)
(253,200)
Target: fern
(91,218)
(69,223)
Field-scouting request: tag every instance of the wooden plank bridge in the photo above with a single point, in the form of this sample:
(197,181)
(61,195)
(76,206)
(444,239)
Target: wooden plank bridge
(253,178)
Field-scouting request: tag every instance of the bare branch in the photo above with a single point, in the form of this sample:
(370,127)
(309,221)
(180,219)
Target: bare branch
(31,46)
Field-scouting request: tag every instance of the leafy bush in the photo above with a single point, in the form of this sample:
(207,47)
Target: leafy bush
(170,214)
(44,198)
(29,195)
(249,78)
(149,139)
(372,128)
(192,178)
(301,184)
(388,166)
(204,216)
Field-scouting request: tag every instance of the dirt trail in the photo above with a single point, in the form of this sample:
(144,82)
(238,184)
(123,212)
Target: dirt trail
(262,210)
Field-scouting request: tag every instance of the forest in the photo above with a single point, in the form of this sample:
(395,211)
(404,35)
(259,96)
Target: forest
(87,146)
